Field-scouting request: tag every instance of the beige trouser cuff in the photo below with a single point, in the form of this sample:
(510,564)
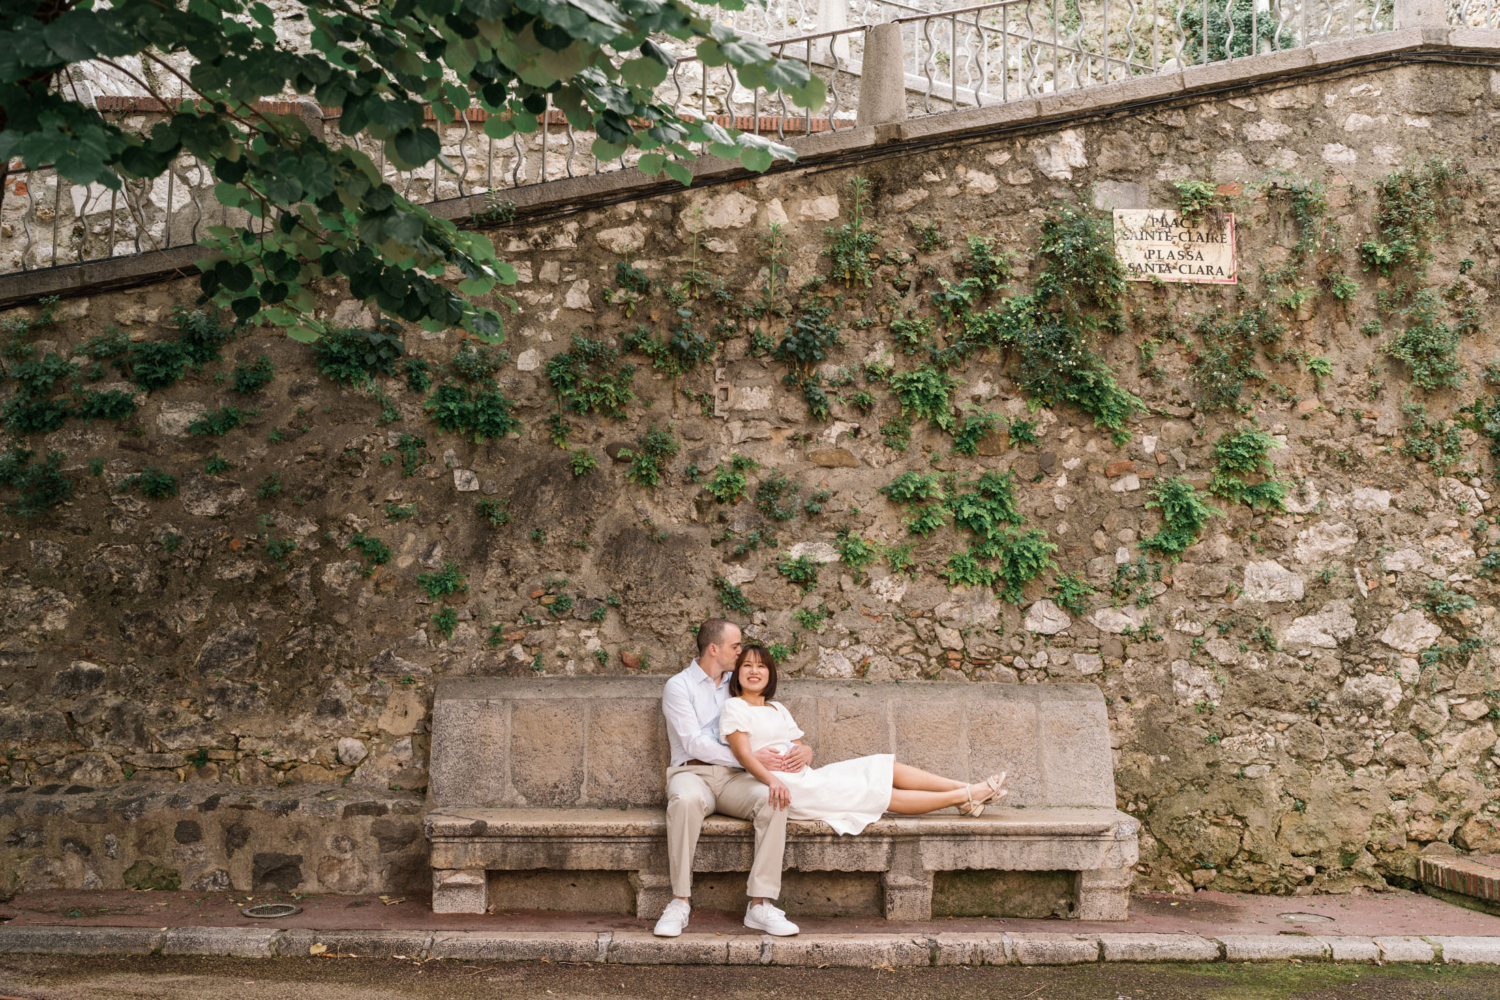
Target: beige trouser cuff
(694,792)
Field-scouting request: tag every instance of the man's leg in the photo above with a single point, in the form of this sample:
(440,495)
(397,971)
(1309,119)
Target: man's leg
(689,801)
(744,796)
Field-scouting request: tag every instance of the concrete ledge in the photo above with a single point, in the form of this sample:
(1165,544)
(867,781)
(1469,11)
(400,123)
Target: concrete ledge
(1273,948)
(1158,948)
(909,950)
(299,943)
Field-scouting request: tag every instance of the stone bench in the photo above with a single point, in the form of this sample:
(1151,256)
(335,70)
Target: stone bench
(568,775)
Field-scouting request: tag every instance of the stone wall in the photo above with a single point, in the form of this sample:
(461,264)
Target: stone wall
(1277,726)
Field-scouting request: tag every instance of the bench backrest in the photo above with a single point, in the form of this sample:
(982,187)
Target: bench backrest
(602,741)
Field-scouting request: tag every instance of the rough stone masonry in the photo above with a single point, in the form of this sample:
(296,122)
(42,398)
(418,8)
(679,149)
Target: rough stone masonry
(1284,713)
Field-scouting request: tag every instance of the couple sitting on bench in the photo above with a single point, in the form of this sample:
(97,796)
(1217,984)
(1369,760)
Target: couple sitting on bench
(737,752)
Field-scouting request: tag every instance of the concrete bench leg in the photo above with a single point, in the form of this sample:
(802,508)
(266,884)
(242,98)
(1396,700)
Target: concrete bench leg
(459,890)
(1104,894)
(908,895)
(653,890)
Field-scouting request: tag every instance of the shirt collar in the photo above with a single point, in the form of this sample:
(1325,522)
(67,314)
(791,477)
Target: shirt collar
(702,675)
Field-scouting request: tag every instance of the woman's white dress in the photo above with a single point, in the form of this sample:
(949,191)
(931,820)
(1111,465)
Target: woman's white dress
(848,795)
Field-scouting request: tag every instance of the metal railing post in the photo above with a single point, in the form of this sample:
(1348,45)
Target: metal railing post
(882,80)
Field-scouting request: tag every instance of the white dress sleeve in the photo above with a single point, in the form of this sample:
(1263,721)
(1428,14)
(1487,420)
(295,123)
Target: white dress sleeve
(735,718)
(789,724)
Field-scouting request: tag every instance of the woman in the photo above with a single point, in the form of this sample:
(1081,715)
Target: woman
(849,795)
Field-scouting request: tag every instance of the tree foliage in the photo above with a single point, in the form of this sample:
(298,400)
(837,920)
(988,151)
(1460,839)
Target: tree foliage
(326,208)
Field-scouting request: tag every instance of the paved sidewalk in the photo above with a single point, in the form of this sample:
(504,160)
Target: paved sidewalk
(1205,927)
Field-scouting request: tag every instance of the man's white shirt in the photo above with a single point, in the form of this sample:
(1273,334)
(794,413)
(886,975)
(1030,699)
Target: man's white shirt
(692,704)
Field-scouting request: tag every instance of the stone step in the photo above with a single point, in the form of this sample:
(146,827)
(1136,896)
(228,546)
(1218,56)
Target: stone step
(1472,881)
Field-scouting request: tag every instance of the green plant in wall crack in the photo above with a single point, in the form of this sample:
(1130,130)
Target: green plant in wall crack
(926,392)
(649,458)
(728,485)
(40,486)
(1240,456)
(1070,591)
(855,241)
(442,582)
(1184,512)
(732,597)
(151,482)
(800,570)
(1432,440)
(988,506)
(582,461)
(351,357)
(445,621)
(1428,346)
(1023,556)
(373,551)
(1413,203)
(972,428)
(278,549)
(776,496)
(591,378)
(217,423)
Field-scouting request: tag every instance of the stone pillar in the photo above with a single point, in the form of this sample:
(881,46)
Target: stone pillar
(653,890)
(460,890)
(907,884)
(312,114)
(882,81)
(1428,14)
(833,15)
(1104,894)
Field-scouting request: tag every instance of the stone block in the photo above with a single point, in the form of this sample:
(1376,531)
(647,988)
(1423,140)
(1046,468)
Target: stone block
(470,747)
(462,891)
(1078,762)
(645,948)
(1272,947)
(1004,736)
(745,949)
(973,949)
(628,753)
(1054,949)
(547,750)
(1469,950)
(930,735)
(1351,948)
(516,946)
(850,950)
(852,727)
(1405,949)
(1158,948)
(40,939)
(235,942)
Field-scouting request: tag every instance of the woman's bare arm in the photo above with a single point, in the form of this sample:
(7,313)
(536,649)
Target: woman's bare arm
(739,745)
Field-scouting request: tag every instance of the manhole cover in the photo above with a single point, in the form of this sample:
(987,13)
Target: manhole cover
(1305,918)
(270,911)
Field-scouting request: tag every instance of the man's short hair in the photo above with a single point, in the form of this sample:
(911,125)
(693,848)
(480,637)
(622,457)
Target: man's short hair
(711,633)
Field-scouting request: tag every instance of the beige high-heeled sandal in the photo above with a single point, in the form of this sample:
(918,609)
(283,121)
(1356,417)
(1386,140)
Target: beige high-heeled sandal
(975,807)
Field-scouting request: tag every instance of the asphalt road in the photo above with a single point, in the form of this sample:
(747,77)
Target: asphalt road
(159,978)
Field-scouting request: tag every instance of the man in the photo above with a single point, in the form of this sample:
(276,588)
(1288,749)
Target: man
(704,778)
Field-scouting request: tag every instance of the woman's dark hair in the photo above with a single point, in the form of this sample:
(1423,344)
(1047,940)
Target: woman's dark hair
(764,655)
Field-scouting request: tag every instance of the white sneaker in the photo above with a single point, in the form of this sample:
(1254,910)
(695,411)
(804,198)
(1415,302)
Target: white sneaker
(765,917)
(673,919)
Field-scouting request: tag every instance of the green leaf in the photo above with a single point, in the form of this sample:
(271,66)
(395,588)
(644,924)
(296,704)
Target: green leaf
(643,72)
(679,172)
(758,160)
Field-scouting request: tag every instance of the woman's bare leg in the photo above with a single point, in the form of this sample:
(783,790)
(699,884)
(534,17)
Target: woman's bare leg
(915,802)
(906,776)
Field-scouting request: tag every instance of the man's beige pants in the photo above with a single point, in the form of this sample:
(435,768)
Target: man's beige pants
(695,791)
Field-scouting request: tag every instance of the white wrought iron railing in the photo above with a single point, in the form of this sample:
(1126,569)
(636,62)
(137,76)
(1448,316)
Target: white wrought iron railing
(969,56)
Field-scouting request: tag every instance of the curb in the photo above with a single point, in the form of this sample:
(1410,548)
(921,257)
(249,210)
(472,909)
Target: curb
(806,950)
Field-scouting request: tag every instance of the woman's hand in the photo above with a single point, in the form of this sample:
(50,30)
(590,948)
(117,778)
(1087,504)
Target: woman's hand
(779,795)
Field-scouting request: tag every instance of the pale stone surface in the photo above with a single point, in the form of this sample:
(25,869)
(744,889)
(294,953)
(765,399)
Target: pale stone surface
(1377,692)
(1323,541)
(1469,950)
(889,588)
(818,552)
(1271,947)
(1369,498)
(1404,949)
(1266,130)
(729,211)
(1046,618)
(578,296)
(1270,582)
(1054,949)
(1158,948)
(1349,948)
(466,480)
(1117,620)
(824,209)
(1404,560)
(1324,630)
(1059,155)
(623,239)
(1410,632)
